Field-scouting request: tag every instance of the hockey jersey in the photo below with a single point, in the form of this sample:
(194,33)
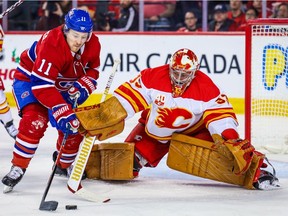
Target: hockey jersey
(52,68)
(202,104)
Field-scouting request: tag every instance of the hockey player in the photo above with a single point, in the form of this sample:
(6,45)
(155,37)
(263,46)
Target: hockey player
(5,112)
(178,103)
(62,64)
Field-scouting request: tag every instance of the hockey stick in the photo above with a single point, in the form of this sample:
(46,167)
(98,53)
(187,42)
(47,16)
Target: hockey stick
(52,205)
(11,8)
(74,182)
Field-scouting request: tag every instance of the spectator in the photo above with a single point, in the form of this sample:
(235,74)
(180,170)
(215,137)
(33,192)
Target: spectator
(257,4)
(220,20)
(100,15)
(236,12)
(53,14)
(158,14)
(23,17)
(250,14)
(282,10)
(128,21)
(184,6)
(89,6)
(190,23)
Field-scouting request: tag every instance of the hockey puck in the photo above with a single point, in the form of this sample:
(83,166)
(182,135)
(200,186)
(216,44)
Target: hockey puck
(71,207)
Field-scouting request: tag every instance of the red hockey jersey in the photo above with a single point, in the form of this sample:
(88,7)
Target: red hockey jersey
(55,67)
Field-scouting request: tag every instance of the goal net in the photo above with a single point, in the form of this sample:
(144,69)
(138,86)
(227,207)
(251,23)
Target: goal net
(266,85)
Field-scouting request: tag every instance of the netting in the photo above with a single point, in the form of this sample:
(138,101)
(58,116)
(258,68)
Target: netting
(269,87)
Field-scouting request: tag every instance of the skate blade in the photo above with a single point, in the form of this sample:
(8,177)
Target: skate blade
(267,185)
(7,189)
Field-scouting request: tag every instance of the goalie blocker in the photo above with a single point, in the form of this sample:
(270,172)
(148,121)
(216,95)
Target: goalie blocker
(101,120)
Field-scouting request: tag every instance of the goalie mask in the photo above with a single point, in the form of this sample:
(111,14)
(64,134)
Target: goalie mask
(182,68)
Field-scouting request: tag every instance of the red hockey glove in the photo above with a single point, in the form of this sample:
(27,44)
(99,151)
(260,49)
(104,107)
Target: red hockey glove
(66,119)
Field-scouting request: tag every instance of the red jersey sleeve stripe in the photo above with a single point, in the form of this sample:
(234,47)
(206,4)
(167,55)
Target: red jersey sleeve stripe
(133,97)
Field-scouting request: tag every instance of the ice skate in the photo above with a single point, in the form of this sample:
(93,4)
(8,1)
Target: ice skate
(64,172)
(266,181)
(59,171)
(12,178)
(11,129)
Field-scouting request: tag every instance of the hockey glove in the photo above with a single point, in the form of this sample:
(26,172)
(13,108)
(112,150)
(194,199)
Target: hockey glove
(66,119)
(243,153)
(81,89)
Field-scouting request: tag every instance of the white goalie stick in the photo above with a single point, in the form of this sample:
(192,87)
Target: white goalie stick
(74,182)
(11,8)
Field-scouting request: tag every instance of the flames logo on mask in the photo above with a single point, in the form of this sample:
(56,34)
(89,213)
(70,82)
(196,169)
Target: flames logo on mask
(183,61)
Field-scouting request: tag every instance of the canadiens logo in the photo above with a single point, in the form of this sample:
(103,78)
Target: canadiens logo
(25,94)
(160,100)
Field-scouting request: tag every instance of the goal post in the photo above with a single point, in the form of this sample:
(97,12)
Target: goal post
(266,84)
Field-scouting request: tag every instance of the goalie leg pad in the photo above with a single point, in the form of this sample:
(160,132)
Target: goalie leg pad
(200,158)
(93,165)
(111,161)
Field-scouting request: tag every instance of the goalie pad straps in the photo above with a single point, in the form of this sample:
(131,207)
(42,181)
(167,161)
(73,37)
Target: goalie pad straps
(239,150)
(200,158)
(111,161)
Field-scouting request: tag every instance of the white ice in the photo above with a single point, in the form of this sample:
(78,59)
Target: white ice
(158,191)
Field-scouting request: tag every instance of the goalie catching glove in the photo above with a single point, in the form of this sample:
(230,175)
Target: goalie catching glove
(66,120)
(241,151)
(81,90)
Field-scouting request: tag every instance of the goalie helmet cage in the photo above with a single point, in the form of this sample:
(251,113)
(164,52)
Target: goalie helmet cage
(266,85)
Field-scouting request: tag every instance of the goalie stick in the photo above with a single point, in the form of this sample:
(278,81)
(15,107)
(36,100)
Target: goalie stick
(11,8)
(74,182)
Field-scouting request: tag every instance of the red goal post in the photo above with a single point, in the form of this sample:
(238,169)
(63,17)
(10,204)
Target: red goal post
(266,84)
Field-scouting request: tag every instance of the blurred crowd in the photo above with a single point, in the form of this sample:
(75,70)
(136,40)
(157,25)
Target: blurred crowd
(159,15)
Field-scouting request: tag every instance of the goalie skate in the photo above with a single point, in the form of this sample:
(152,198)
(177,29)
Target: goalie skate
(12,178)
(266,181)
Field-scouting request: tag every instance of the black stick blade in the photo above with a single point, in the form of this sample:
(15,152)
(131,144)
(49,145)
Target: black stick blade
(48,206)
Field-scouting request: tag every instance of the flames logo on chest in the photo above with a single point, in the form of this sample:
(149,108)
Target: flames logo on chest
(174,118)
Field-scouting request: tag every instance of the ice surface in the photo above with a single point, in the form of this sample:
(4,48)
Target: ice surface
(158,191)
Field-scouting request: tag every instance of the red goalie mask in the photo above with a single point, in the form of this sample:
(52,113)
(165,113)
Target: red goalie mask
(183,65)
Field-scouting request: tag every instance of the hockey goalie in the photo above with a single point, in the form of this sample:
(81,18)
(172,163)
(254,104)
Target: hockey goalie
(184,114)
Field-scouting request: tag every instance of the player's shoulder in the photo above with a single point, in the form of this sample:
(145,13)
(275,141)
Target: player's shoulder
(93,46)
(156,71)
(54,38)
(156,77)
(94,38)
(202,77)
(203,87)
